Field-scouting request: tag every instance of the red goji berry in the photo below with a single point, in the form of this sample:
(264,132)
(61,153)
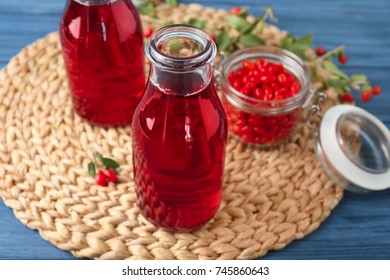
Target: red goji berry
(232,77)
(376,90)
(235,10)
(248,64)
(110,175)
(148,32)
(320,50)
(296,87)
(282,79)
(347,97)
(366,96)
(343,58)
(101,179)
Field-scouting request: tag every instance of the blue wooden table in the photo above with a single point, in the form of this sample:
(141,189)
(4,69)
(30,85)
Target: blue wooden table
(359,228)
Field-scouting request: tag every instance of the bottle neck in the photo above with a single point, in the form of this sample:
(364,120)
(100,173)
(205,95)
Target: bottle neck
(181,83)
(94,2)
(180,57)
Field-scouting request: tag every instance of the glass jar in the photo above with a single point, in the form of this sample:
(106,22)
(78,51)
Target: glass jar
(352,145)
(179,132)
(102,42)
(353,148)
(257,121)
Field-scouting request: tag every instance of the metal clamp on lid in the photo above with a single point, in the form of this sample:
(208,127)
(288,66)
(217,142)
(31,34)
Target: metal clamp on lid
(312,104)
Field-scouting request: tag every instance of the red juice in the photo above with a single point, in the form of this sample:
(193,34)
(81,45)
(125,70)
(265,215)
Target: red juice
(103,53)
(178,155)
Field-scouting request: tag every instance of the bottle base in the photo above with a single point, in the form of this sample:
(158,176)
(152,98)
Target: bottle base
(175,229)
(104,124)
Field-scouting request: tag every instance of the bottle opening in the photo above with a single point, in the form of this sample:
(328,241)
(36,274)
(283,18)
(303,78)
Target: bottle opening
(94,2)
(180,47)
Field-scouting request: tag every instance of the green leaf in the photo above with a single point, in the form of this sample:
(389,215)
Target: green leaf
(305,40)
(367,87)
(92,169)
(107,162)
(110,163)
(224,41)
(99,158)
(238,22)
(172,2)
(332,68)
(250,40)
(297,45)
(250,27)
(259,28)
(146,9)
(174,47)
(315,74)
(301,45)
(337,83)
(359,78)
(335,77)
(346,88)
(322,87)
(287,42)
(198,23)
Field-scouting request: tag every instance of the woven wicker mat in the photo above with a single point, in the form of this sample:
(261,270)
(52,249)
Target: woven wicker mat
(270,198)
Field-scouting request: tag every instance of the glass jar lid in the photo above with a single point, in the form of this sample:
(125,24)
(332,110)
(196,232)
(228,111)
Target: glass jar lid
(354,146)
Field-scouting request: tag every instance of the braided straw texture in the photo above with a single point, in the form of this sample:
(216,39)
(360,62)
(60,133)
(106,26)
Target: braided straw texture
(270,198)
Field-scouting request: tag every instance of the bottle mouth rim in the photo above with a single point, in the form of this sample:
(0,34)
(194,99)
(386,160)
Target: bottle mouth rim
(288,59)
(180,64)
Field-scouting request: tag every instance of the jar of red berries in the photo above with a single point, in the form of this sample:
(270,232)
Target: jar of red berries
(264,89)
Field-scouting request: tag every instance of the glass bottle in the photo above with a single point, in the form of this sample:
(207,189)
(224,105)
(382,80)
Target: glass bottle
(102,42)
(179,132)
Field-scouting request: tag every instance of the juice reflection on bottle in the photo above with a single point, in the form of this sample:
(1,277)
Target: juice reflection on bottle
(102,45)
(179,132)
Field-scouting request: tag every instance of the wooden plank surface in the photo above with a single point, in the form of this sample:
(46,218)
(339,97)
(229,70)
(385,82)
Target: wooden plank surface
(359,228)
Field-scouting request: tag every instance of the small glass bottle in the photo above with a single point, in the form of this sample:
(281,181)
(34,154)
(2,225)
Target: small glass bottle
(179,132)
(102,43)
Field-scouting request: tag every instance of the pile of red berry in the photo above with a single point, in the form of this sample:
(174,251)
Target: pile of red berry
(263,81)
(103,170)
